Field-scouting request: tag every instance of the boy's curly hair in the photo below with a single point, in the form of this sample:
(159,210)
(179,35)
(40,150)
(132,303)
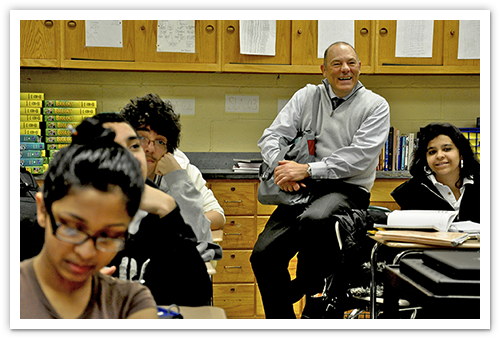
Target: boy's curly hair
(150,110)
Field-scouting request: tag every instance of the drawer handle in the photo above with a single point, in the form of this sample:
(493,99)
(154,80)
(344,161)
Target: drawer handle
(232,266)
(232,233)
(232,201)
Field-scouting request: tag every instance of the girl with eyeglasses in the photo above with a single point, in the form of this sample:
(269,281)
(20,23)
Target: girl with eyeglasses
(89,197)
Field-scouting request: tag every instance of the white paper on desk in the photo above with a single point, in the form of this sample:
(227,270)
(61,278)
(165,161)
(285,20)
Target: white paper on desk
(465,226)
(469,39)
(414,38)
(258,37)
(103,33)
(416,219)
(330,31)
(176,36)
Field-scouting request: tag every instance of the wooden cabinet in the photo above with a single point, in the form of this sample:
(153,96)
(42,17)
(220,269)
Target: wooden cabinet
(139,51)
(305,45)
(450,51)
(296,48)
(234,61)
(207,48)
(235,287)
(61,43)
(77,54)
(444,52)
(40,43)
(381,193)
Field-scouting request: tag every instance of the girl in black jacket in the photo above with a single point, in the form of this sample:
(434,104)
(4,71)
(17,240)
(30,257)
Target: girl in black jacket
(445,174)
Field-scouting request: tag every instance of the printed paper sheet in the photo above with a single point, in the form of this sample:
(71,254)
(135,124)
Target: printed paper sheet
(176,36)
(258,37)
(414,38)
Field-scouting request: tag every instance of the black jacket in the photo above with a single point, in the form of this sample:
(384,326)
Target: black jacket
(175,272)
(421,194)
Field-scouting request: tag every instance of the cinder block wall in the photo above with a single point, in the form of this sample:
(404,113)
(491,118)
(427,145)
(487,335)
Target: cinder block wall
(415,100)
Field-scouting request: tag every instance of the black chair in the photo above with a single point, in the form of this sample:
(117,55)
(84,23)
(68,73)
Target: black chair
(346,292)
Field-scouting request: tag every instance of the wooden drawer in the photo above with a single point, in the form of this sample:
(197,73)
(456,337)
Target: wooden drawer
(265,209)
(236,198)
(234,267)
(261,224)
(239,232)
(238,300)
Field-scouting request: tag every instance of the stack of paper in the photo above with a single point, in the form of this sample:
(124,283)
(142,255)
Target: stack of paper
(247,165)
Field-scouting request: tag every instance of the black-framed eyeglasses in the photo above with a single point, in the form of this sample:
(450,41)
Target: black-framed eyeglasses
(159,144)
(76,237)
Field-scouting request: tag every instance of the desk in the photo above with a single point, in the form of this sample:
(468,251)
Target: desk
(405,249)
(436,306)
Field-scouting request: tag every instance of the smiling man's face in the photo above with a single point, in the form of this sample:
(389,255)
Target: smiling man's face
(342,69)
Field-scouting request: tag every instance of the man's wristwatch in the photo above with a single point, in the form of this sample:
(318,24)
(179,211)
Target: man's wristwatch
(309,171)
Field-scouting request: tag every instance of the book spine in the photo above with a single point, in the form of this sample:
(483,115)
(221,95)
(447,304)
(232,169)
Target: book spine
(32,162)
(57,132)
(29,138)
(53,152)
(61,125)
(30,110)
(70,103)
(66,118)
(29,124)
(31,117)
(31,96)
(31,103)
(411,147)
(403,152)
(32,154)
(58,140)
(37,169)
(62,110)
(33,131)
(386,155)
(31,145)
(391,148)
(56,146)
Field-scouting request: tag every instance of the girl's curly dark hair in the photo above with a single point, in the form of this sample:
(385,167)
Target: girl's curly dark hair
(150,110)
(419,164)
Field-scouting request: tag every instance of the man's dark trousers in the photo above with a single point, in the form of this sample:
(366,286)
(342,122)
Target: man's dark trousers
(305,229)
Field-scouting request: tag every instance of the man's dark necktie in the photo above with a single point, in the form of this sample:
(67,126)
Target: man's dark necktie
(336,103)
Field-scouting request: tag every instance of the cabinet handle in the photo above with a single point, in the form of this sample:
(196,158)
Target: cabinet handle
(230,29)
(299,31)
(232,266)
(209,29)
(383,32)
(364,31)
(452,32)
(232,233)
(48,23)
(232,201)
(143,28)
(71,24)
(233,223)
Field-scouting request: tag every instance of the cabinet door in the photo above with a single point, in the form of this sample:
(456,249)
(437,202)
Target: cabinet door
(207,48)
(305,44)
(451,33)
(76,54)
(39,41)
(386,60)
(234,61)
